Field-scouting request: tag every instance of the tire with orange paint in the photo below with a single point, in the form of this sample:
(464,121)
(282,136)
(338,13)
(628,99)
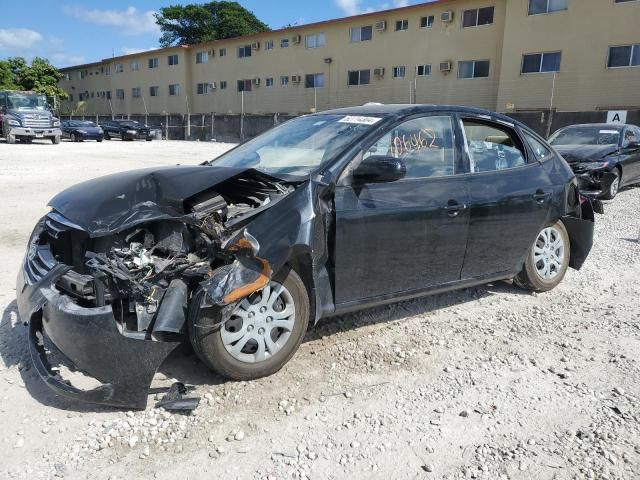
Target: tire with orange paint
(209,336)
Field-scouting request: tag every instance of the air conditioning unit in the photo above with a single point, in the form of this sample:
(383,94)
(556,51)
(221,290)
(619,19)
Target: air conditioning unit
(447,17)
(297,39)
(256,81)
(296,79)
(445,67)
(378,72)
(255,46)
(212,86)
(381,26)
(328,60)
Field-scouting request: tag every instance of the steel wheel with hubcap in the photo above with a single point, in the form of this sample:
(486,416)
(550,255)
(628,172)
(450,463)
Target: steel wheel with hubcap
(262,333)
(547,261)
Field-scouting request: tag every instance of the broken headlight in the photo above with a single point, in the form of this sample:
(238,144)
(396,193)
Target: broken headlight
(595,165)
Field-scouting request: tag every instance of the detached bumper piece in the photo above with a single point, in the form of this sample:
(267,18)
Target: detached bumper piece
(581,230)
(91,340)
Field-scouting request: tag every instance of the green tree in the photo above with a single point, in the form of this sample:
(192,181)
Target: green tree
(198,23)
(40,76)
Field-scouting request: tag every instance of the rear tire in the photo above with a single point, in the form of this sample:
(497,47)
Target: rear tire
(547,261)
(74,137)
(209,343)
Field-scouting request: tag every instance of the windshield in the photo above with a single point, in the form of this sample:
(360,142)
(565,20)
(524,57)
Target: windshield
(79,123)
(299,147)
(586,136)
(20,101)
(130,124)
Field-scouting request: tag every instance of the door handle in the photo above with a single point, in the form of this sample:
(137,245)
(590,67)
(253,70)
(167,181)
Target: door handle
(540,197)
(454,208)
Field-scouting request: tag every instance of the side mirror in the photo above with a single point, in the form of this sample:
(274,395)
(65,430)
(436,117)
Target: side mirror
(633,146)
(380,169)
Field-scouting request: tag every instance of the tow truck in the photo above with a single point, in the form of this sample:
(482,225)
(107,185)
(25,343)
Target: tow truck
(25,116)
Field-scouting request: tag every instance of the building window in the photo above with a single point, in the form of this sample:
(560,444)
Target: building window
(119,68)
(223,85)
(537,7)
(223,52)
(268,82)
(284,43)
(71,97)
(174,89)
(153,63)
(135,92)
(315,41)
(109,95)
(473,69)
(120,94)
(154,91)
(244,51)
(359,77)
(399,72)
(427,22)
(624,56)
(135,66)
(477,17)
(402,25)
(244,85)
(423,70)
(268,45)
(202,88)
(541,62)
(284,81)
(314,80)
(361,34)
(172,60)
(202,57)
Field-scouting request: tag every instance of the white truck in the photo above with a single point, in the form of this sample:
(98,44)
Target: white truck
(25,116)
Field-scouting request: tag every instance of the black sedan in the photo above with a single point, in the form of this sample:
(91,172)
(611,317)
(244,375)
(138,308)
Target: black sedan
(126,130)
(604,157)
(325,214)
(80,130)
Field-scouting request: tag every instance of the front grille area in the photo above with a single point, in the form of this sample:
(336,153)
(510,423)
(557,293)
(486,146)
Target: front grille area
(36,121)
(39,262)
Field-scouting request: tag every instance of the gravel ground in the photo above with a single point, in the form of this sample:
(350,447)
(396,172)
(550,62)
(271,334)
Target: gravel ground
(486,383)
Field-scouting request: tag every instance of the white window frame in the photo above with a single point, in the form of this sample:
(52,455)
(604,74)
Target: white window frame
(245,51)
(120,93)
(222,52)
(316,76)
(176,89)
(269,82)
(404,25)
(547,11)
(426,67)
(477,10)
(315,40)
(156,89)
(284,80)
(284,43)
(395,71)
(359,40)
(151,63)
(431,19)
(135,66)
(359,72)
(542,54)
(119,68)
(268,45)
(202,57)
(173,60)
(136,92)
(633,46)
(223,85)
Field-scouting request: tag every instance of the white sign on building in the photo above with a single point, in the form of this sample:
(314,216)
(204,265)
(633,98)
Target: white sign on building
(617,116)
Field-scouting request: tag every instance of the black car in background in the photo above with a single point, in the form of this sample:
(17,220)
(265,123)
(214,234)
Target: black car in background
(604,157)
(79,130)
(126,130)
(325,214)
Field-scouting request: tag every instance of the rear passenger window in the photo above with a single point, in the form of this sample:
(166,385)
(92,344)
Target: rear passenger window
(492,147)
(540,150)
(425,145)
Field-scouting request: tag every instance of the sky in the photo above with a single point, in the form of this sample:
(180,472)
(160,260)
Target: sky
(69,32)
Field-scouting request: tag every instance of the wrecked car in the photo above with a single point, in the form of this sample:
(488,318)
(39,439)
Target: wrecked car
(325,214)
(604,157)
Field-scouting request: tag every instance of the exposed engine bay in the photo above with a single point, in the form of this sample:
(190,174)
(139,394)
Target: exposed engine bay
(148,272)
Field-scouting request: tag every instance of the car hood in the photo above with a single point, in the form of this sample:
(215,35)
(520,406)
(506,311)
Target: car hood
(29,113)
(86,129)
(585,153)
(113,203)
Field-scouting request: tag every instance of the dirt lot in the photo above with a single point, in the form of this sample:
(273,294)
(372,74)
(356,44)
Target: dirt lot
(487,383)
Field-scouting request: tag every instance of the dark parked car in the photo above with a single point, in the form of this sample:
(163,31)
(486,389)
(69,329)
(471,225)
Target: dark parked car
(126,130)
(604,157)
(325,214)
(79,130)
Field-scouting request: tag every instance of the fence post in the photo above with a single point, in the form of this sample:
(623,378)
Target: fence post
(166,126)
(213,128)
(275,119)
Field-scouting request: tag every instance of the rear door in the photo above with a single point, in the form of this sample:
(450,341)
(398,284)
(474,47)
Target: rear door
(408,235)
(510,198)
(631,163)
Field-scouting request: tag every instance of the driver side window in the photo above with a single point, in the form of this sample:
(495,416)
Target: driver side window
(425,145)
(629,137)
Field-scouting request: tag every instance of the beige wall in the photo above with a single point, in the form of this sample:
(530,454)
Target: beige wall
(584,82)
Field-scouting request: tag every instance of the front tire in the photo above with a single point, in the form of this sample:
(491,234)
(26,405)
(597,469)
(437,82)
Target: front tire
(614,188)
(55,140)
(107,136)
(262,334)
(548,260)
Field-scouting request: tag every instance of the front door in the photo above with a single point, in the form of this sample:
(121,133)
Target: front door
(510,199)
(405,235)
(631,155)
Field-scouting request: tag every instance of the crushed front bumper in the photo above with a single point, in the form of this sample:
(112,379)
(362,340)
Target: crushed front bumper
(91,339)
(596,183)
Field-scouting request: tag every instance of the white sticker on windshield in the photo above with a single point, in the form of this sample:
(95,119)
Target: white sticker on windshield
(614,132)
(360,120)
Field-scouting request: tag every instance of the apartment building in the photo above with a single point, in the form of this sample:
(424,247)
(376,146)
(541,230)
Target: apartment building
(503,55)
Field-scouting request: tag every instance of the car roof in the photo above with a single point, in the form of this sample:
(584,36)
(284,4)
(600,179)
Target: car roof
(411,109)
(617,126)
